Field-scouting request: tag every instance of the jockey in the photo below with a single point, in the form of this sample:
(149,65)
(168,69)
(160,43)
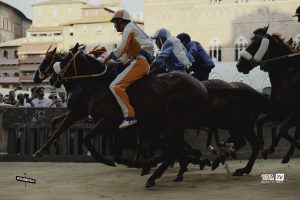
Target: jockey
(203,63)
(173,55)
(133,50)
(297,13)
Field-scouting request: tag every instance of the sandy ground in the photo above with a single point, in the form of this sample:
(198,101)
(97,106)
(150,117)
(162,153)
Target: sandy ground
(89,181)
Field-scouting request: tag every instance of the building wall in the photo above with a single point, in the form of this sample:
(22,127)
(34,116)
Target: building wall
(13,23)
(55,14)
(222,24)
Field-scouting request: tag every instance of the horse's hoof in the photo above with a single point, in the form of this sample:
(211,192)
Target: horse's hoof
(238,172)
(265,153)
(215,164)
(203,163)
(222,160)
(233,154)
(109,162)
(149,183)
(178,179)
(37,155)
(145,171)
(285,160)
(271,150)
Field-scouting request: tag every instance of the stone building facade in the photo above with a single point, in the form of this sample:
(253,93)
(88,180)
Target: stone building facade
(13,26)
(224,27)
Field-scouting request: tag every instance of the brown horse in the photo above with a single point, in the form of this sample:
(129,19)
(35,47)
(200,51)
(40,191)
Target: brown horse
(170,102)
(279,60)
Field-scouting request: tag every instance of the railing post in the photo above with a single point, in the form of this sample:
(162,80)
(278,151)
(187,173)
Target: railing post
(3,135)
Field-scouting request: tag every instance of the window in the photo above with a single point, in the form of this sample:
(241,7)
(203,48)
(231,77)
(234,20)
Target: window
(240,44)
(16,74)
(215,1)
(69,11)
(215,51)
(16,53)
(5,74)
(99,29)
(84,29)
(5,54)
(241,1)
(55,13)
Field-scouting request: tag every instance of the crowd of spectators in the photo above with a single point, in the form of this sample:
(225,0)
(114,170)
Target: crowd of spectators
(37,99)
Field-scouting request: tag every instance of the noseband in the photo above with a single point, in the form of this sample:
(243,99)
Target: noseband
(261,53)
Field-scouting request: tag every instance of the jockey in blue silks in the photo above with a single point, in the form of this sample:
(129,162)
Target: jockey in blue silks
(203,63)
(173,55)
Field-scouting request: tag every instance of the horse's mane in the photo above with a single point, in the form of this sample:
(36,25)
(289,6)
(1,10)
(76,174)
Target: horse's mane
(279,38)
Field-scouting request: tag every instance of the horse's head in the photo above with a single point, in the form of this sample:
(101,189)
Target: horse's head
(76,65)
(45,69)
(255,52)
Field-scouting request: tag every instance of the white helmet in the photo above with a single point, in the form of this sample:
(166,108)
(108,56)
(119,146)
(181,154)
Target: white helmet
(121,14)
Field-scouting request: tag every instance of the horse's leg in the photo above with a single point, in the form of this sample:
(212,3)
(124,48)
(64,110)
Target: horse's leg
(252,139)
(100,128)
(175,138)
(69,119)
(290,153)
(54,122)
(260,137)
(293,119)
(239,142)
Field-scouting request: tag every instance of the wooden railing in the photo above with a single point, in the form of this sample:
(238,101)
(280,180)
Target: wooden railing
(24,130)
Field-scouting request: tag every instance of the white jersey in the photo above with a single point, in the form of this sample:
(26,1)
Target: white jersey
(41,103)
(26,105)
(140,36)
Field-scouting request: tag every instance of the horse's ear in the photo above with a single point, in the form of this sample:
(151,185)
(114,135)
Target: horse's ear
(266,29)
(54,51)
(75,49)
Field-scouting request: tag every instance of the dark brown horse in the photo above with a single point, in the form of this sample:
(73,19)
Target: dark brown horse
(170,102)
(279,60)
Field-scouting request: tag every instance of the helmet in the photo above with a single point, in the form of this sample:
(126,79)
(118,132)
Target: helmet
(121,14)
(297,13)
(162,33)
(184,37)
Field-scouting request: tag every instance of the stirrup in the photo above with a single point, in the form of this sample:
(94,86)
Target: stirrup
(128,121)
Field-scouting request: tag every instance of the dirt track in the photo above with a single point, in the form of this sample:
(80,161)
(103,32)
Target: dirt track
(87,181)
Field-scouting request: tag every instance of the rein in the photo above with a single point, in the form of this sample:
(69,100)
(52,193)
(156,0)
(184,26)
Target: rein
(73,61)
(278,58)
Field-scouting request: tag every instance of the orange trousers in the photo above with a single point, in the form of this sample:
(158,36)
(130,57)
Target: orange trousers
(137,69)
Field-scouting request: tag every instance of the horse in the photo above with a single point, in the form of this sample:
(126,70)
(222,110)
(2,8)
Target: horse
(174,101)
(236,112)
(77,106)
(282,64)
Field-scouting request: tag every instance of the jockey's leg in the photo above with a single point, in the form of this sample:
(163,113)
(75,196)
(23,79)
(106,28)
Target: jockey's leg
(135,71)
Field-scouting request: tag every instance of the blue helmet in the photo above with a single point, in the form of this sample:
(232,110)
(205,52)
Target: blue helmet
(162,33)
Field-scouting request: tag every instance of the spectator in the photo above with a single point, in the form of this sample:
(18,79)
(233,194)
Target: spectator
(62,95)
(58,103)
(33,94)
(27,99)
(1,97)
(21,101)
(40,101)
(11,98)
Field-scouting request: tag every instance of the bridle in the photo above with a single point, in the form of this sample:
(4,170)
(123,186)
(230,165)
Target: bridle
(72,63)
(262,54)
(46,72)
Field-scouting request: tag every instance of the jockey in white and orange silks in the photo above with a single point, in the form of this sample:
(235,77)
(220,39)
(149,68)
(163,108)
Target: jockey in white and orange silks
(135,48)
